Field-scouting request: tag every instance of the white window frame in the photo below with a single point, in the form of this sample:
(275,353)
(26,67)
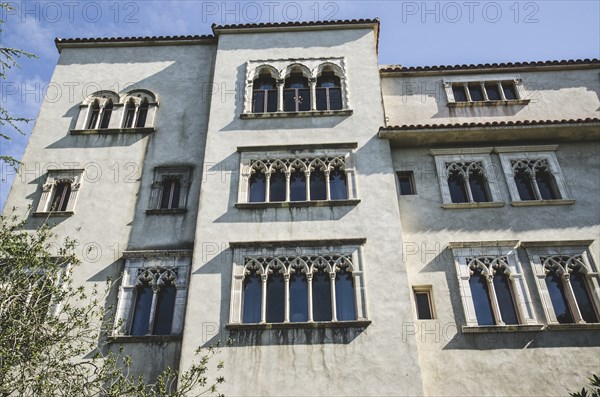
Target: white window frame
(483,80)
(138,97)
(138,261)
(543,152)
(479,155)
(522,301)
(537,251)
(74,177)
(280,69)
(352,252)
(424,289)
(332,157)
(161,174)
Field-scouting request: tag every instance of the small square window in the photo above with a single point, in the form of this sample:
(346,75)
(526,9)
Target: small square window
(170,189)
(510,93)
(476,93)
(424,304)
(406,180)
(459,93)
(492,92)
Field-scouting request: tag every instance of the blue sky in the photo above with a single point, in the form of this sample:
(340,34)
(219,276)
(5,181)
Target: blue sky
(413,33)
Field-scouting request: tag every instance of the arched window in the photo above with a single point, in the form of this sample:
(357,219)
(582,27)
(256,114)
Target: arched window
(94,115)
(258,186)
(296,94)
(129,114)
(61,196)
(338,184)
(481,297)
(318,185)
(252,298)
(534,180)
(298,297)
(106,113)
(344,295)
(275,297)
(456,184)
(321,296)
(329,91)
(142,114)
(504,296)
(478,185)
(583,298)
(298,186)
(264,94)
(154,302)
(560,304)
(277,185)
(467,183)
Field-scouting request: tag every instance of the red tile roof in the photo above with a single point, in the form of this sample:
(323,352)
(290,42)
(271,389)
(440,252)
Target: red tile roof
(488,124)
(403,69)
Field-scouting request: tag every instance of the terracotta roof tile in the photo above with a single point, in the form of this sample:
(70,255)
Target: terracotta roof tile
(403,69)
(299,23)
(488,124)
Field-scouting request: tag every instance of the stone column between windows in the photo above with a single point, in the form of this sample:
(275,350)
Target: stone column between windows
(307,174)
(570,295)
(357,278)
(333,305)
(484,92)
(312,84)
(501,91)
(279,83)
(153,308)
(309,277)
(327,186)
(286,280)
(288,187)
(73,195)
(263,300)
(493,299)
(267,186)
(536,189)
(468,187)
(467,92)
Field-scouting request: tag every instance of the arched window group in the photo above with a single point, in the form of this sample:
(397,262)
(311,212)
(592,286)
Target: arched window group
(534,180)
(298,289)
(569,289)
(297,88)
(108,110)
(467,182)
(154,302)
(298,179)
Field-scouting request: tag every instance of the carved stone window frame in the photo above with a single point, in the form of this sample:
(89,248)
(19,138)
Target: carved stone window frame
(351,250)
(483,81)
(464,252)
(74,177)
(181,172)
(539,252)
(339,154)
(136,262)
(509,154)
(446,157)
(311,69)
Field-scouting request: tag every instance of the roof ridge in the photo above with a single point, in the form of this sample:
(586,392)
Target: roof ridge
(490,124)
(399,68)
(296,23)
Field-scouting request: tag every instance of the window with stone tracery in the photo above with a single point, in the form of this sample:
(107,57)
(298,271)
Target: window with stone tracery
(153,293)
(297,285)
(493,289)
(59,193)
(568,282)
(288,177)
(467,179)
(170,190)
(534,177)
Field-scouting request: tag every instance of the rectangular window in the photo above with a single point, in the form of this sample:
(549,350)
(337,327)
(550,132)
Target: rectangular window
(424,303)
(478,91)
(153,293)
(59,192)
(170,190)
(406,181)
(297,284)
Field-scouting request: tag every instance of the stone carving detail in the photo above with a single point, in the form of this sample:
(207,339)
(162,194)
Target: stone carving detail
(156,277)
(530,167)
(264,265)
(489,265)
(304,164)
(465,169)
(563,265)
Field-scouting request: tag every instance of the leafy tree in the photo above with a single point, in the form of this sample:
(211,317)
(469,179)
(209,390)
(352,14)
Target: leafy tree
(9,59)
(594,390)
(53,333)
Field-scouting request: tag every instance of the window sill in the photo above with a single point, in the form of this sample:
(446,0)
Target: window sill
(529,203)
(482,329)
(488,103)
(308,113)
(52,213)
(145,338)
(486,204)
(570,327)
(313,325)
(111,131)
(166,211)
(292,204)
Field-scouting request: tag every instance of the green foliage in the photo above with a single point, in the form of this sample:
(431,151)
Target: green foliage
(53,333)
(594,391)
(9,59)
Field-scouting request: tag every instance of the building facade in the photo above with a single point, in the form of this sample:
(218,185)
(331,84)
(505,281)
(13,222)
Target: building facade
(354,228)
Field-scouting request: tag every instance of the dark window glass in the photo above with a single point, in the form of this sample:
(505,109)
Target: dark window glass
(277,186)
(407,184)
(476,94)
(458,193)
(289,100)
(258,101)
(142,115)
(129,113)
(275,298)
(492,92)
(546,185)
(265,95)
(321,294)
(298,297)
(298,186)
(62,193)
(459,93)
(556,290)
(329,94)
(504,296)
(106,115)
(141,314)
(478,188)
(481,298)
(321,99)
(170,194)
(94,116)
(509,91)
(165,306)
(258,186)
(252,298)
(524,185)
(423,306)
(318,188)
(345,308)
(337,185)
(582,296)
(296,93)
